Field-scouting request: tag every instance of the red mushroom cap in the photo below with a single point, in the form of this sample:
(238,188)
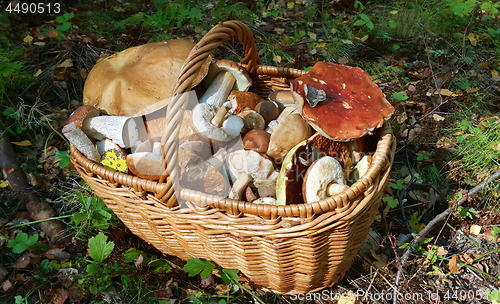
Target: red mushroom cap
(340,102)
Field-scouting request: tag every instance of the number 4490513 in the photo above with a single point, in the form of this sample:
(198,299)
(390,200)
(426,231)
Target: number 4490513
(34,8)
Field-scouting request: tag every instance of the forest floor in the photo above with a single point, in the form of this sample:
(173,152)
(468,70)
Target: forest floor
(437,63)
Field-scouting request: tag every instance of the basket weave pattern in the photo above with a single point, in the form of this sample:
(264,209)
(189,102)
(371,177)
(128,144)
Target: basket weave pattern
(288,249)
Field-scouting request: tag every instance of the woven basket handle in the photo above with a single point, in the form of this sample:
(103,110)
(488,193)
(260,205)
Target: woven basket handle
(189,70)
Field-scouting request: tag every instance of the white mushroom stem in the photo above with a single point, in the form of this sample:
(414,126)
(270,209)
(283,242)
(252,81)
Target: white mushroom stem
(233,125)
(221,113)
(240,186)
(80,140)
(121,130)
(219,89)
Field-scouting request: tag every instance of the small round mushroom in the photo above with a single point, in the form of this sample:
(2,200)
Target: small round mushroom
(256,140)
(324,178)
(252,120)
(268,109)
(284,97)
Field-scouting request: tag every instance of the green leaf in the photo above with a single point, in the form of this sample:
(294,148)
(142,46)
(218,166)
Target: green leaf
(195,13)
(396,46)
(131,254)
(32,240)
(359,22)
(68,16)
(62,154)
(195,266)
(227,274)
(399,96)
(77,217)
(60,19)
(92,269)
(64,27)
(22,238)
(45,266)
(392,24)
(99,248)
(19,248)
(63,163)
(392,202)
(398,185)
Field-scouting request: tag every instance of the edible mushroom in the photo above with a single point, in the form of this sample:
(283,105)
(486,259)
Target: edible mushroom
(228,76)
(137,78)
(207,123)
(290,131)
(340,102)
(323,179)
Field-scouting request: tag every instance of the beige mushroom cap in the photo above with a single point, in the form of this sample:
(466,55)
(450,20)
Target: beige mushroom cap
(137,78)
(324,178)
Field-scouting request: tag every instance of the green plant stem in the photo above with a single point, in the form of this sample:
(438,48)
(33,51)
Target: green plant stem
(496,250)
(247,290)
(467,237)
(39,221)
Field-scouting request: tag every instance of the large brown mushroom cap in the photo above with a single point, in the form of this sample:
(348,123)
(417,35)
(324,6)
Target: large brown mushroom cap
(340,102)
(137,78)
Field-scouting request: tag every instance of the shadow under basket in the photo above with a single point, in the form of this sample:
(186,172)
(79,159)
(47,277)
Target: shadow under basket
(287,249)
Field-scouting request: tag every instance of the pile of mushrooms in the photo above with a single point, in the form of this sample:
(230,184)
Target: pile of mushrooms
(296,146)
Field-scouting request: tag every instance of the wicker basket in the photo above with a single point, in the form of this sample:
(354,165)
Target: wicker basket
(288,249)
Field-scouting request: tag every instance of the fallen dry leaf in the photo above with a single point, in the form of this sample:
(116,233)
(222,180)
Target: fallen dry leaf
(343,60)
(57,254)
(52,33)
(19,277)
(441,251)
(28,39)
(402,117)
(475,229)
(6,285)
(23,143)
(437,117)
(59,297)
(452,264)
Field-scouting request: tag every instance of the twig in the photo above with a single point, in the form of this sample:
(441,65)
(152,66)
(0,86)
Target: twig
(437,219)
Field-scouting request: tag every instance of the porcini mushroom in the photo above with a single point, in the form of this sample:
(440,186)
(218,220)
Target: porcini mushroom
(241,100)
(137,78)
(340,102)
(290,131)
(256,140)
(256,165)
(323,179)
(197,173)
(121,130)
(268,109)
(202,124)
(81,141)
(146,165)
(228,76)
